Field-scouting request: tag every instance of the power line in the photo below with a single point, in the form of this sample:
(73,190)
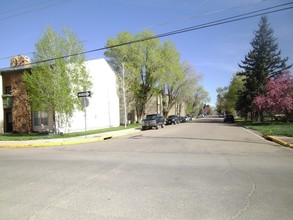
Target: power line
(200,15)
(8,57)
(32,10)
(143,28)
(183,30)
(24,7)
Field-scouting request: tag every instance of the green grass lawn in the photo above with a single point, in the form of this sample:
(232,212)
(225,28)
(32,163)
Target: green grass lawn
(36,136)
(270,128)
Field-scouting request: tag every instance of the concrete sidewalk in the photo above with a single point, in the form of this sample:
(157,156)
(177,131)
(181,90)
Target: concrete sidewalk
(67,141)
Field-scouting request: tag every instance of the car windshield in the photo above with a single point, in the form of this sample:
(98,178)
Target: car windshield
(172,116)
(150,117)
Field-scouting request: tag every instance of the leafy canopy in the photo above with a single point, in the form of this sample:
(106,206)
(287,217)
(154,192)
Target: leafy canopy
(278,97)
(142,61)
(53,83)
(151,68)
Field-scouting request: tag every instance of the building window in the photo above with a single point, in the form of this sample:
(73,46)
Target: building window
(40,118)
(7,89)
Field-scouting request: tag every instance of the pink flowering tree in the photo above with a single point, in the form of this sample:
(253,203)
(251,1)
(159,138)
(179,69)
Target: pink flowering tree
(278,97)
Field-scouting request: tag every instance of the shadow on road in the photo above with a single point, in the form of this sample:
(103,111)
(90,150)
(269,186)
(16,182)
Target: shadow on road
(210,120)
(198,139)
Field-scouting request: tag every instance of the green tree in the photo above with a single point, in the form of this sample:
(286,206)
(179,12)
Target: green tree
(123,66)
(53,85)
(221,105)
(151,69)
(142,61)
(232,95)
(261,63)
(200,97)
(188,87)
(171,77)
(228,96)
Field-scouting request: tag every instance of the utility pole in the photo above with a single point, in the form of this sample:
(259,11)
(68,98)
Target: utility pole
(84,106)
(124,96)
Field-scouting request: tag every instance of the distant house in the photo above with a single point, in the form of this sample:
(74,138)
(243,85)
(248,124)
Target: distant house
(16,114)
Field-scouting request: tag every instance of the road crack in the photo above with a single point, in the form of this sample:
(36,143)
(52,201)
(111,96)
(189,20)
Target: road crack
(75,190)
(246,207)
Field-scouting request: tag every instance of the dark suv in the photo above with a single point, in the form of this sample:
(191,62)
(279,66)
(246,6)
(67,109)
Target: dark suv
(229,118)
(172,119)
(152,121)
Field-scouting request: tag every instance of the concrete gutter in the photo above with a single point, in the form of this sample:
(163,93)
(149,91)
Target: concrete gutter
(67,141)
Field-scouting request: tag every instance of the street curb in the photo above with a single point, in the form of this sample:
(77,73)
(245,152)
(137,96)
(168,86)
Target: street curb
(276,140)
(271,138)
(65,142)
(53,144)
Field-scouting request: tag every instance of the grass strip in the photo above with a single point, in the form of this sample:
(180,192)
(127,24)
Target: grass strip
(269,128)
(37,136)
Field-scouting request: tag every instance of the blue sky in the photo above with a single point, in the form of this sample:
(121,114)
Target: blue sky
(214,52)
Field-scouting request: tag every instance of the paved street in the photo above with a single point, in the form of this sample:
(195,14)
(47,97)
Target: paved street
(200,170)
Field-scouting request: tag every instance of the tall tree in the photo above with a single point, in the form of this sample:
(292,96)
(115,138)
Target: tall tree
(262,62)
(221,100)
(53,85)
(123,66)
(151,69)
(228,97)
(142,62)
(172,76)
(200,97)
(186,90)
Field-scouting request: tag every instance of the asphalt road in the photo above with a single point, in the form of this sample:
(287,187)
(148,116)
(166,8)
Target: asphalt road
(199,170)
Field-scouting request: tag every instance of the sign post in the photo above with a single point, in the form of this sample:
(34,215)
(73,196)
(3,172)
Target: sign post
(84,102)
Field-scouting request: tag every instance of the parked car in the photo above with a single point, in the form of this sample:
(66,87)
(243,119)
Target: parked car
(229,118)
(152,121)
(172,119)
(182,119)
(188,118)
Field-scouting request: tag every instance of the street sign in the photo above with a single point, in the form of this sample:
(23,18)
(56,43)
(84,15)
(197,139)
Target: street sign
(84,103)
(84,94)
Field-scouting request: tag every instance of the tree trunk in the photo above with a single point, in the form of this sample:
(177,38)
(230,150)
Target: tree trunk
(140,112)
(287,116)
(259,116)
(180,107)
(164,103)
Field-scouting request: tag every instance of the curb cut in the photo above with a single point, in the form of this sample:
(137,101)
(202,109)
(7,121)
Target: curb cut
(276,140)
